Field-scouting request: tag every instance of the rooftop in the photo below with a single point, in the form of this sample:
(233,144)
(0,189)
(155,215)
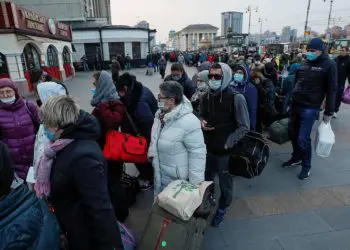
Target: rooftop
(199,26)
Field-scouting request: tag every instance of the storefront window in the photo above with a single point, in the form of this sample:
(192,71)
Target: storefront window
(30,57)
(66,56)
(136,50)
(116,49)
(52,56)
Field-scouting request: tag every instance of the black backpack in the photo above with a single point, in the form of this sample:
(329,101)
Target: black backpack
(249,156)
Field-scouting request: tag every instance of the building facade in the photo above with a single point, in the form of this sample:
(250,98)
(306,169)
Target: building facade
(78,13)
(231,22)
(100,45)
(193,36)
(30,40)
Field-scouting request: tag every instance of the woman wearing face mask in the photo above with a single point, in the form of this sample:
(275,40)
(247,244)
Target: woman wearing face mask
(45,91)
(19,123)
(177,148)
(202,87)
(72,172)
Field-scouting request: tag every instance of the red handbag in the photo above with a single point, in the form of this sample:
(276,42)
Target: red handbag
(125,147)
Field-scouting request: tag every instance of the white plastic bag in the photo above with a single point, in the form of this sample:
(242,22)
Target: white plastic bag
(182,198)
(325,139)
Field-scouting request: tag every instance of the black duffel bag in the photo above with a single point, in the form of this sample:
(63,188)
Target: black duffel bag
(250,156)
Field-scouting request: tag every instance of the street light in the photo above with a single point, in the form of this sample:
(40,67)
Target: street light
(249,10)
(261,21)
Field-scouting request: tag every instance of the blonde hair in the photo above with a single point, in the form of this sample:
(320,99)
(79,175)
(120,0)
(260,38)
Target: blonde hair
(59,111)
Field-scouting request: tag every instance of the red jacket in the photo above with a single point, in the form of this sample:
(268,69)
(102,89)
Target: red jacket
(110,115)
(211,58)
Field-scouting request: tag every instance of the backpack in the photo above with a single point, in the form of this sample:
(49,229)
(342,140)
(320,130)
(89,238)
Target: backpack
(250,156)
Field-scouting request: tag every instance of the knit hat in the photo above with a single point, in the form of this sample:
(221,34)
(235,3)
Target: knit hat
(6,169)
(316,44)
(203,76)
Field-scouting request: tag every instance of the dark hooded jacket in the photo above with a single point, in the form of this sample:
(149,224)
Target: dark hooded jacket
(227,112)
(250,93)
(187,84)
(270,73)
(79,192)
(19,123)
(25,220)
(343,64)
(316,80)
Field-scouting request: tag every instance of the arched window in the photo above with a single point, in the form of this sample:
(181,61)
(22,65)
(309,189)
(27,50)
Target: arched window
(30,57)
(66,56)
(52,56)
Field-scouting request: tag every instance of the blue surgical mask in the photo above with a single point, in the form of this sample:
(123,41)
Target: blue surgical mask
(93,92)
(176,78)
(49,135)
(214,84)
(311,56)
(238,77)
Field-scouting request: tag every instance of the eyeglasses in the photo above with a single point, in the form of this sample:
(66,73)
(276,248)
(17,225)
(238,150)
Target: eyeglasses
(215,76)
(162,97)
(311,50)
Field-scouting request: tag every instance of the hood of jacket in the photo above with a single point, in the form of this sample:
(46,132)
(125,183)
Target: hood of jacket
(49,89)
(203,76)
(105,89)
(87,127)
(246,79)
(179,111)
(293,68)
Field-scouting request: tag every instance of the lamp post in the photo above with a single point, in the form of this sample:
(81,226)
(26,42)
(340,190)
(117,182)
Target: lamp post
(249,10)
(261,21)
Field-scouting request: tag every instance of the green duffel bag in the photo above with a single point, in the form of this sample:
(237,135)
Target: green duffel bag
(279,131)
(165,231)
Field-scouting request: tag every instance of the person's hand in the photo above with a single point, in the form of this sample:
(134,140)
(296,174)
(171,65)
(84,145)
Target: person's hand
(204,126)
(326,118)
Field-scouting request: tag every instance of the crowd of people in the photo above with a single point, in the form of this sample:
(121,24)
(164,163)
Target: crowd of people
(56,187)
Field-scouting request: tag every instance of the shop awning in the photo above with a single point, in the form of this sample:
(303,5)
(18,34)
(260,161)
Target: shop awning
(33,38)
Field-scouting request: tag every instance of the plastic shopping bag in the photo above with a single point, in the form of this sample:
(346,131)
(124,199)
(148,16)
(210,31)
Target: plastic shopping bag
(182,198)
(325,139)
(346,96)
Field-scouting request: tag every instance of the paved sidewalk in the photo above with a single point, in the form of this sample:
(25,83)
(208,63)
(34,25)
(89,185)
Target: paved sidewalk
(276,210)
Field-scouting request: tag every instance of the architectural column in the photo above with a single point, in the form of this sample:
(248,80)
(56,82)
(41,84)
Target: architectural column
(128,49)
(16,72)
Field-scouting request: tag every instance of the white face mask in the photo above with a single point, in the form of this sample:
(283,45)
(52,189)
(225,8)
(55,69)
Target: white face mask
(162,106)
(9,100)
(214,84)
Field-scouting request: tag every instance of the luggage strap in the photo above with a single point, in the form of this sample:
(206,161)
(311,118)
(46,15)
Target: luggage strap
(165,224)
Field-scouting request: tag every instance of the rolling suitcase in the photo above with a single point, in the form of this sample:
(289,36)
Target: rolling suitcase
(166,231)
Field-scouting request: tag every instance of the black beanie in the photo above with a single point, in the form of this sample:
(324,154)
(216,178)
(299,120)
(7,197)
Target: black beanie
(125,80)
(35,75)
(6,170)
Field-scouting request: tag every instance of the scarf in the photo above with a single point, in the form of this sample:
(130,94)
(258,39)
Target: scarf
(42,185)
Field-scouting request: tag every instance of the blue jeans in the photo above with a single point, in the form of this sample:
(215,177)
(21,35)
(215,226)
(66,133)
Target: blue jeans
(302,121)
(218,164)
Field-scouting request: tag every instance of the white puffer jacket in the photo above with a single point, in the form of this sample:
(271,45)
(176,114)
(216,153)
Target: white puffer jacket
(178,149)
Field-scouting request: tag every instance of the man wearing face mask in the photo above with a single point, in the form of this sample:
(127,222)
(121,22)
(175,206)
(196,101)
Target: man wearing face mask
(315,80)
(19,123)
(241,84)
(202,88)
(179,75)
(225,121)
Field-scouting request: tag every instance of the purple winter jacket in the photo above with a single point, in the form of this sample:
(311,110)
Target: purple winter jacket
(18,130)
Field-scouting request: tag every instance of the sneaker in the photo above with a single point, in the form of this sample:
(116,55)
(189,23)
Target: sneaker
(219,217)
(291,163)
(335,115)
(304,175)
(145,185)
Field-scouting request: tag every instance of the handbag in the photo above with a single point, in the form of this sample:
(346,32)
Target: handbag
(346,96)
(126,147)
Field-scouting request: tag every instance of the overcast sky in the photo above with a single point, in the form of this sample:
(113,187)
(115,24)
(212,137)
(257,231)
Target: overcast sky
(165,15)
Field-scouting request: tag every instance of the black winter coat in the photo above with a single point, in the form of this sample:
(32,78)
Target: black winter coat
(187,84)
(316,80)
(79,190)
(343,65)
